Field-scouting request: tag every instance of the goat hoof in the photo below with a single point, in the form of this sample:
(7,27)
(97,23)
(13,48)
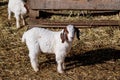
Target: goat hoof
(9,18)
(61,72)
(36,70)
(18,27)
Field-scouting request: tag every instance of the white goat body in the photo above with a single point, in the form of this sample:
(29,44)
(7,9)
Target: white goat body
(42,40)
(19,9)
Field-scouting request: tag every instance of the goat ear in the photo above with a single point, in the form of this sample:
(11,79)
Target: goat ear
(65,30)
(77,33)
(64,36)
(27,8)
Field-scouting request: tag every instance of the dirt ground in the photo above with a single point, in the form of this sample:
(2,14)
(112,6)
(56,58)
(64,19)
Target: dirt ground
(96,56)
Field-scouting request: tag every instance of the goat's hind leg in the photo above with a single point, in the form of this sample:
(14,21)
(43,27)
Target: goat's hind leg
(17,20)
(34,61)
(22,17)
(33,54)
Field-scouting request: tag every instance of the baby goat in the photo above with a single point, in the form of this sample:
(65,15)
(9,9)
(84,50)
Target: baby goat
(19,9)
(40,40)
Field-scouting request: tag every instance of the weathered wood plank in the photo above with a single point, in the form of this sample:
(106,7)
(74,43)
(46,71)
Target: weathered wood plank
(76,4)
(82,23)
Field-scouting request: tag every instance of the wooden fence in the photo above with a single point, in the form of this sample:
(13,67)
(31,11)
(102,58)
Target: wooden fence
(91,5)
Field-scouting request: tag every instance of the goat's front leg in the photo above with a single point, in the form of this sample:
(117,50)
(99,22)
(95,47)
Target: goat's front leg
(9,14)
(60,63)
(63,65)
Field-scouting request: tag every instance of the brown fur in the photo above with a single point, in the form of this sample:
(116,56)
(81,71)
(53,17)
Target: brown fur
(26,6)
(64,36)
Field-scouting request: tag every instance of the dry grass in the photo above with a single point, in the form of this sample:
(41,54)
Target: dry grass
(70,15)
(95,57)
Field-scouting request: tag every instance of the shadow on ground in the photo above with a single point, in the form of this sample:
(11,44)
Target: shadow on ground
(92,57)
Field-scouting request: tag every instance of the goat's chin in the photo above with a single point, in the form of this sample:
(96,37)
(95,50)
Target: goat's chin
(70,40)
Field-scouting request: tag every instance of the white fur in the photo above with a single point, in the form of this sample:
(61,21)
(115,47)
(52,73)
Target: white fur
(18,8)
(42,40)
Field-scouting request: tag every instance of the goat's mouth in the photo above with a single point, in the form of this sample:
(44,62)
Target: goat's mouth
(72,38)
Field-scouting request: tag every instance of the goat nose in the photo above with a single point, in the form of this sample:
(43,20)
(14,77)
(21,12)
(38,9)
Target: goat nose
(72,37)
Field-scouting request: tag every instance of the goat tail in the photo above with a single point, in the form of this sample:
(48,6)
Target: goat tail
(24,38)
(23,10)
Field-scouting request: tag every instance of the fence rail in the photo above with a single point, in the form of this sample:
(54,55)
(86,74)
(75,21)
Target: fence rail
(96,5)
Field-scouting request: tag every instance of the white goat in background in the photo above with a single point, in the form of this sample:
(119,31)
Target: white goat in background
(19,9)
(40,40)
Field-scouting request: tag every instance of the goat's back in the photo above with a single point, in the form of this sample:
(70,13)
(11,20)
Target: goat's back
(17,6)
(45,38)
